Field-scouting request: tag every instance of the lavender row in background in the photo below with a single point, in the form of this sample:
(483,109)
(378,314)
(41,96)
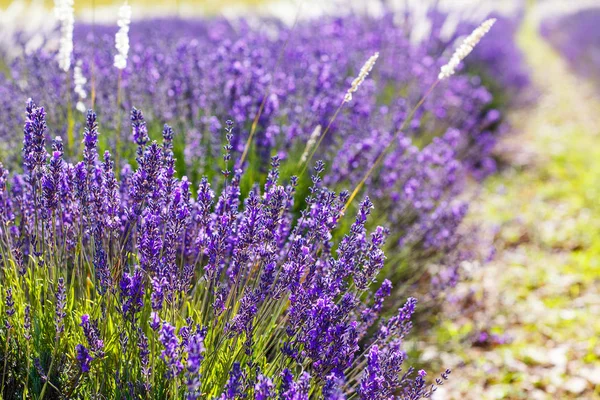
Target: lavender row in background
(197,74)
(577,37)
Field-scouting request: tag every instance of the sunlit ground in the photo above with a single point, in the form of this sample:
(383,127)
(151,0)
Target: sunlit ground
(542,291)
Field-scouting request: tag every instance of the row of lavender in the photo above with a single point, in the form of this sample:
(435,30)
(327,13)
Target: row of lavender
(129,275)
(195,75)
(199,73)
(134,288)
(577,38)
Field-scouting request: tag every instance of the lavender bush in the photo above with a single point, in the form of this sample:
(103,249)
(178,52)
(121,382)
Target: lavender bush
(136,288)
(195,75)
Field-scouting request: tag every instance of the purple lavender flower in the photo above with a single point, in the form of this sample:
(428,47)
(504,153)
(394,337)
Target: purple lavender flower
(132,293)
(27,323)
(167,134)
(113,201)
(144,359)
(264,389)
(294,390)
(83,358)
(248,308)
(234,387)
(374,383)
(34,153)
(145,179)
(159,286)
(51,182)
(100,261)
(171,353)
(333,388)
(138,126)
(92,334)
(61,303)
(90,140)
(10,307)
(195,349)
(154,322)
(400,324)
(81,184)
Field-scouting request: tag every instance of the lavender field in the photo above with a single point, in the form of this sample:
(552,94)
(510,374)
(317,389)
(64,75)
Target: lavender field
(299,200)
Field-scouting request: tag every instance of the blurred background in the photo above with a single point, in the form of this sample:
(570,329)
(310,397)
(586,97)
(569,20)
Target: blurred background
(527,326)
(196,7)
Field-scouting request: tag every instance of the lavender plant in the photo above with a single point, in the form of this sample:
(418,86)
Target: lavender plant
(136,288)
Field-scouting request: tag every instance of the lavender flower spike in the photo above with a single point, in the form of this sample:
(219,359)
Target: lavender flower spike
(83,358)
(138,125)
(61,303)
(10,307)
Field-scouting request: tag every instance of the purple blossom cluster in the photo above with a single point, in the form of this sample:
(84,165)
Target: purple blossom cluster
(209,294)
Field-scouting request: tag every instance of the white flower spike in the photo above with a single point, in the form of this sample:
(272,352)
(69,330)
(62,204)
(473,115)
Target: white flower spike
(465,48)
(63,9)
(79,81)
(364,72)
(122,36)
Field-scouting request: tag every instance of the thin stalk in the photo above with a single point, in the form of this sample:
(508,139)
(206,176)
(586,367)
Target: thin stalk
(26,385)
(381,156)
(153,353)
(118,132)
(316,146)
(68,396)
(43,392)
(5,362)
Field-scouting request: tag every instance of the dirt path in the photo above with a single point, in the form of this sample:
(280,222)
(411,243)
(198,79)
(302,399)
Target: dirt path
(541,294)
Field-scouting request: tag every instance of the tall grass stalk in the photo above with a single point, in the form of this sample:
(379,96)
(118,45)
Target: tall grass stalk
(446,72)
(387,148)
(362,75)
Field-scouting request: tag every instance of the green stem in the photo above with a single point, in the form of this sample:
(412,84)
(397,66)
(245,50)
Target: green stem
(381,156)
(25,387)
(5,362)
(70,120)
(49,370)
(118,132)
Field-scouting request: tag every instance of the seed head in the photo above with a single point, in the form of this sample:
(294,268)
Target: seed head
(364,72)
(465,48)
